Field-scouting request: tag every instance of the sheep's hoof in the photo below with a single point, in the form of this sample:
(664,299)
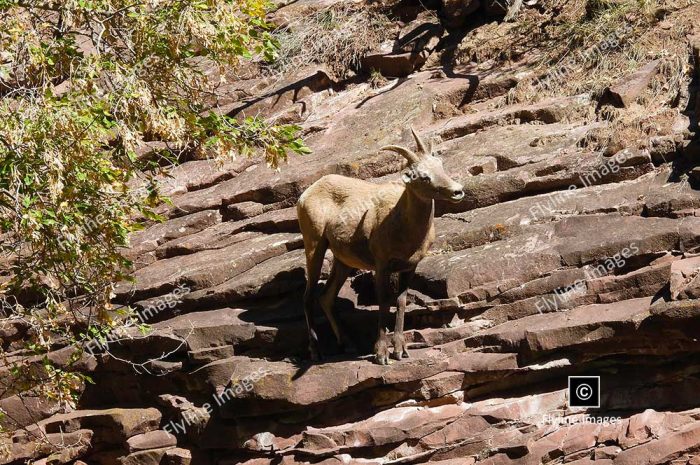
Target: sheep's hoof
(381,352)
(399,348)
(382,359)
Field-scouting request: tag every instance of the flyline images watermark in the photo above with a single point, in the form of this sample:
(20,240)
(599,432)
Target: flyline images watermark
(556,420)
(554,201)
(575,62)
(563,295)
(194,417)
(168,301)
(557,199)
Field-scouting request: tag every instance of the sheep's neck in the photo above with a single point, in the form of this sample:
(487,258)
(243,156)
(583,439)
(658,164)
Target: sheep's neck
(416,214)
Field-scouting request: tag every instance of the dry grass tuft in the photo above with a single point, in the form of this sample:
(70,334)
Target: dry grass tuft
(629,129)
(337,37)
(376,79)
(583,46)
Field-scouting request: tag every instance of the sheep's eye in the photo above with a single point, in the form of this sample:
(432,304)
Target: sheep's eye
(424,177)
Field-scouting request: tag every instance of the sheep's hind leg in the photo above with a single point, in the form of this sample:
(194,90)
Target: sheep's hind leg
(381,347)
(315,251)
(400,350)
(339,273)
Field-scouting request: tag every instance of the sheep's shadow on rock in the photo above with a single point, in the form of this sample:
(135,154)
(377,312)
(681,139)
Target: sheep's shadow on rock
(281,327)
(282,332)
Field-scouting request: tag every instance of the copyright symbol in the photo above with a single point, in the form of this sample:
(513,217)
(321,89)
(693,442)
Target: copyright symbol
(584,391)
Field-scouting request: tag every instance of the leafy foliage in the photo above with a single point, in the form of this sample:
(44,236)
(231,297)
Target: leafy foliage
(82,84)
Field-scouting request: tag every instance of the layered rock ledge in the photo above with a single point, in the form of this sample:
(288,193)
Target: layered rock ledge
(563,259)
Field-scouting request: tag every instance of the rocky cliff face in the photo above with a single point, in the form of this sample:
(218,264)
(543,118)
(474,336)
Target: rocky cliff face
(573,253)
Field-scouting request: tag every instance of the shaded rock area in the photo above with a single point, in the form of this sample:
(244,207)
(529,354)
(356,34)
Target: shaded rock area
(563,259)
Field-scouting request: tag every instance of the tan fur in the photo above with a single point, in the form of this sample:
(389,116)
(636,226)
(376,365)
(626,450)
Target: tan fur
(366,223)
(387,228)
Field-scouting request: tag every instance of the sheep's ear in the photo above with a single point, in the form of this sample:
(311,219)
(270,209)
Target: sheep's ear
(422,149)
(405,177)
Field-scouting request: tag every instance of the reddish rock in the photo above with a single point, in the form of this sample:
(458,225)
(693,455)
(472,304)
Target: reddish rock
(195,174)
(547,332)
(459,461)
(650,424)
(57,448)
(23,409)
(612,433)
(149,239)
(625,92)
(606,453)
(112,426)
(391,426)
(548,447)
(592,462)
(663,450)
(269,278)
(685,279)
(683,310)
(530,408)
(548,111)
(415,42)
(464,427)
(207,268)
(177,456)
(144,457)
(231,232)
(440,385)
(277,380)
(394,64)
(151,440)
(210,354)
(206,330)
(581,437)
(546,205)
(243,210)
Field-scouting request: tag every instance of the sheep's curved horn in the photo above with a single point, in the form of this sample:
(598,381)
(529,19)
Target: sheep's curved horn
(410,156)
(422,149)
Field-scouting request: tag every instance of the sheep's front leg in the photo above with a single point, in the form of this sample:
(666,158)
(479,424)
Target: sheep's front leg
(400,350)
(381,347)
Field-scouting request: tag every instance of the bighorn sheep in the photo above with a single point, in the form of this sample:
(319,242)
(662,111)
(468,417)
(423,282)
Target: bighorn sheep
(387,228)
